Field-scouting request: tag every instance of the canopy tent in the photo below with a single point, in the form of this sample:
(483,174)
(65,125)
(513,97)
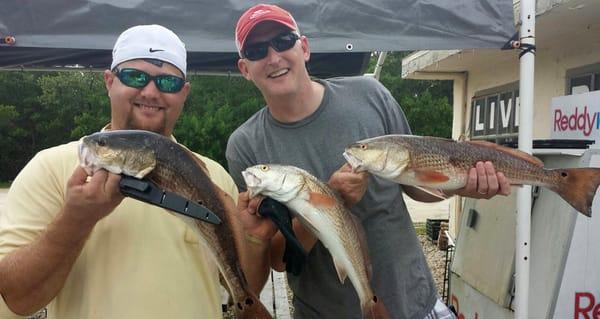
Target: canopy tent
(342,34)
(81,33)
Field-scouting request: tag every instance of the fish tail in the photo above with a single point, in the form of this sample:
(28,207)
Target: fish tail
(375,309)
(251,308)
(578,187)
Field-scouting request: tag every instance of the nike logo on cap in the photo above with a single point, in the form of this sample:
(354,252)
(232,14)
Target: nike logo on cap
(154,50)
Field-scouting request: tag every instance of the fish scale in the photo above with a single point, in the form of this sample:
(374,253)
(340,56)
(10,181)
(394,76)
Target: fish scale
(457,158)
(445,164)
(341,224)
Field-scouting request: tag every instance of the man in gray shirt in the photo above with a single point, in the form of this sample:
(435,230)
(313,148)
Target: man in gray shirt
(308,123)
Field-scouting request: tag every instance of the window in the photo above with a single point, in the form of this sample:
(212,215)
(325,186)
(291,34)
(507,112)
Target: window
(583,79)
(495,114)
(581,84)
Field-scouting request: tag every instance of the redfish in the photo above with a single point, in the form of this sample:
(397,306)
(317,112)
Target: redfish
(174,168)
(445,164)
(322,212)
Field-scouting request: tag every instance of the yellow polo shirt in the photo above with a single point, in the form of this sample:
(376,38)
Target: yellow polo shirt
(139,262)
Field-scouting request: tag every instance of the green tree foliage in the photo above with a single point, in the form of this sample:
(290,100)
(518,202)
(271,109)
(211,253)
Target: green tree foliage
(10,142)
(425,103)
(216,106)
(72,104)
(43,109)
(18,93)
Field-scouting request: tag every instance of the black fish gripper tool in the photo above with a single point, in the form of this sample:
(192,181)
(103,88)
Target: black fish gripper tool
(148,192)
(294,255)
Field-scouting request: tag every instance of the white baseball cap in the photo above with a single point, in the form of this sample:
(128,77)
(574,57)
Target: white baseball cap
(150,42)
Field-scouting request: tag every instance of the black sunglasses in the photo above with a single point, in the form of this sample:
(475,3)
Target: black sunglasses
(135,78)
(280,43)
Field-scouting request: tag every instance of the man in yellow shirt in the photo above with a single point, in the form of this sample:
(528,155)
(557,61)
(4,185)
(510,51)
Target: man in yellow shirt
(83,250)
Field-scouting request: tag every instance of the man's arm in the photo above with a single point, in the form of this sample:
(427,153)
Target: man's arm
(258,232)
(33,275)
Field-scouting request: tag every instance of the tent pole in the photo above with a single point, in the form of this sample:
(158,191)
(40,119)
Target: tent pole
(526,92)
(379,65)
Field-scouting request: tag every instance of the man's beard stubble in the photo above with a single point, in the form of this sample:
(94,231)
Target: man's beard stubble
(132,125)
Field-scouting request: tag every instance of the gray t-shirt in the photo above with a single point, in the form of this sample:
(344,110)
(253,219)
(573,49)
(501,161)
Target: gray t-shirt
(353,108)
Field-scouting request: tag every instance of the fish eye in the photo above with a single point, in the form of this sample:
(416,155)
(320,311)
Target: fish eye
(264,168)
(101,142)
(363,146)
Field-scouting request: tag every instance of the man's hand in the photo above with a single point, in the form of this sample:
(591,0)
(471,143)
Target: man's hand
(351,185)
(256,226)
(484,182)
(89,202)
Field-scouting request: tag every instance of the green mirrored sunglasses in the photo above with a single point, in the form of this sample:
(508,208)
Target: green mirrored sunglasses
(138,79)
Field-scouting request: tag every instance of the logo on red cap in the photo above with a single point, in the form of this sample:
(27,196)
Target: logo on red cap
(257,14)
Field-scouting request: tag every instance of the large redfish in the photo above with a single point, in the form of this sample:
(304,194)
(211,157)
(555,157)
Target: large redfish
(321,211)
(444,164)
(144,154)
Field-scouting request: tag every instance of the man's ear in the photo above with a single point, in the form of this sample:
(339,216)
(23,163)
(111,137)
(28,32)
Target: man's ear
(243,67)
(109,77)
(305,48)
(186,89)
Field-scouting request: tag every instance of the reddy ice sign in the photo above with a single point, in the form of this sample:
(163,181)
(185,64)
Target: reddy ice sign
(576,116)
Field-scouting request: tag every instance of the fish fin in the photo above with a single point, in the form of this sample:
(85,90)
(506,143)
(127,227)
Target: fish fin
(578,187)
(145,172)
(433,192)
(430,176)
(322,200)
(510,151)
(375,309)
(339,268)
(251,308)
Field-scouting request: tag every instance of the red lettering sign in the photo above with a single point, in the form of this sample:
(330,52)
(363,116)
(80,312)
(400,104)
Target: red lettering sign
(585,306)
(583,122)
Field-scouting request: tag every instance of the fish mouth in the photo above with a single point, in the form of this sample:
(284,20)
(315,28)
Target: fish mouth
(252,183)
(91,163)
(85,159)
(356,163)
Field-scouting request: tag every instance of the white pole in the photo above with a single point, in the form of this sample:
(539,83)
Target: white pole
(526,89)
(379,65)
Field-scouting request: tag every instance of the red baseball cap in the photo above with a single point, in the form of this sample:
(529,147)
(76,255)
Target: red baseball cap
(257,14)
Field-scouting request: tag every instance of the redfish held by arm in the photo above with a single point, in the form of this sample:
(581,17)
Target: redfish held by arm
(174,168)
(321,211)
(444,164)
